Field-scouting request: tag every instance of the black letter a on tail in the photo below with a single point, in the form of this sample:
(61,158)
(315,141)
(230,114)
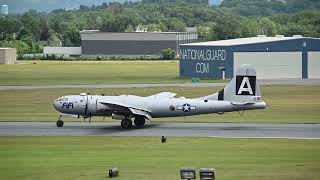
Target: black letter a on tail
(246,85)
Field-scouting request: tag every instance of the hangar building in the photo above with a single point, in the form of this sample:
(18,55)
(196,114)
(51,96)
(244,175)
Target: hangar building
(273,57)
(94,42)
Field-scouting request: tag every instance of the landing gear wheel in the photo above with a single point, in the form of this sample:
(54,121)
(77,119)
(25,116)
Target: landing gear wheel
(139,121)
(126,123)
(60,123)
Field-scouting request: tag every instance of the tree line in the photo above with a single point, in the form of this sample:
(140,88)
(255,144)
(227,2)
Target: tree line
(229,20)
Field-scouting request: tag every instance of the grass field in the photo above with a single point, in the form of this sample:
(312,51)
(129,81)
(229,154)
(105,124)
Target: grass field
(287,104)
(146,158)
(93,72)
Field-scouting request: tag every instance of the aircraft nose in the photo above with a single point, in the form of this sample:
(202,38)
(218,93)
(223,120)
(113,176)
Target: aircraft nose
(55,104)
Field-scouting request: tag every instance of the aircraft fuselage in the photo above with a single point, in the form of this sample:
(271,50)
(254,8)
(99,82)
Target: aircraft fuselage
(157,108)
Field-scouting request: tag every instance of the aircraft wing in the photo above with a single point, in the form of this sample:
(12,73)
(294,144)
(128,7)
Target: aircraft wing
(141,113)
(119,107)
(163,95)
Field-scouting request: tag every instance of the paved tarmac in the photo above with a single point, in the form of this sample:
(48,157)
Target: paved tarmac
(91,86)
(228,130)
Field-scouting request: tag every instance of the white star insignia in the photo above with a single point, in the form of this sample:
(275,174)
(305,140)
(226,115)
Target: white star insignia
(186,107)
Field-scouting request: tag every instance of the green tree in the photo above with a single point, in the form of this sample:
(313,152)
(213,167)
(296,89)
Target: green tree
(71,37)
(44,30)
(130,28)
(267,27)
(31,22)
(23,33)
(176,25)
(228,27)
(249,27)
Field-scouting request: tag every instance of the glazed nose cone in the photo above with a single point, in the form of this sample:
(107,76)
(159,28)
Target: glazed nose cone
(55,104)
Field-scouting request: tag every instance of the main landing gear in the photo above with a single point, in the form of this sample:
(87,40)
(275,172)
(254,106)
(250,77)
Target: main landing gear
(60,122)
(126,123)
(138,121)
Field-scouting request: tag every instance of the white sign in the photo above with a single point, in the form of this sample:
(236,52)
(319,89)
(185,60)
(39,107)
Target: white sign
(201,54)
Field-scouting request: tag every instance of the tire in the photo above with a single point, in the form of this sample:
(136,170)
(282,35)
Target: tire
(126,123)
(60,123)
(139,121)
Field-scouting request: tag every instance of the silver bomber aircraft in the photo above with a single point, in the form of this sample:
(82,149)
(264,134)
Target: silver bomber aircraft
(242,93)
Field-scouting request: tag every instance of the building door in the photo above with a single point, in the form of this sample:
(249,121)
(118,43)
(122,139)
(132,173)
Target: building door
(271,65)
(313,65)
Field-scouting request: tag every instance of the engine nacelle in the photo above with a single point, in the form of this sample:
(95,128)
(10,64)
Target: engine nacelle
(117,116)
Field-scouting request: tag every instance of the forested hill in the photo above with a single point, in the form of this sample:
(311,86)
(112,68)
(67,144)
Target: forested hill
(24,31)
(242,7)
(20,6)
(268,7)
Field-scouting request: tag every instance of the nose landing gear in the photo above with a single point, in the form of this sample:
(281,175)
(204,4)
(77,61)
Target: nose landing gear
(60,122)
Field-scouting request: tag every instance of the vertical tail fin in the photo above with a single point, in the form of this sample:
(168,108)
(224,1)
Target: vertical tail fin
(242,88)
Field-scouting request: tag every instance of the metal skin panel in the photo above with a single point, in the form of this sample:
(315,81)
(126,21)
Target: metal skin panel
(126,47)
(272,65)
(62,50)
(277,46)
(134,36)
(314,65)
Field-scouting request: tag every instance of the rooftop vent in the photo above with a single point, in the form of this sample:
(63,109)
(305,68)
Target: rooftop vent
(279,36)
(89,31)
(261,36)
(297,36)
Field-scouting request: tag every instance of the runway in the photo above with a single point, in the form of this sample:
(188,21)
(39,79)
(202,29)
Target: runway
(227,130)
